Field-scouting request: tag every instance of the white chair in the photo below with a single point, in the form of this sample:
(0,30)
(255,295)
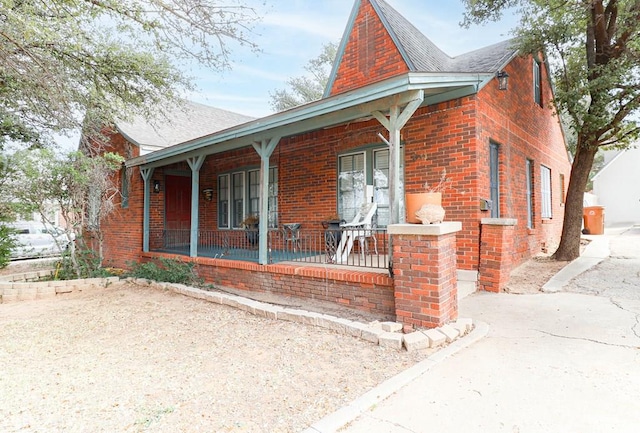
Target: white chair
(361,228)
(292,235)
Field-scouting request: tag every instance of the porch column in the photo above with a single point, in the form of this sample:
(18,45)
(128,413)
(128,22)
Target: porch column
(396,121)
(146,174)
(195,163)
(265,148)
(496,246)
(425,282)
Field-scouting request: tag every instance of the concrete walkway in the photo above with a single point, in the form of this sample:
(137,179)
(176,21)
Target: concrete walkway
(557,362)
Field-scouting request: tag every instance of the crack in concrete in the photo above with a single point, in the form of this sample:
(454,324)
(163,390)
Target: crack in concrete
(637,325)
(624,346)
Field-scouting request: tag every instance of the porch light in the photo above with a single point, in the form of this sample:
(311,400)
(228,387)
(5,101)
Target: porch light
(156,186)
(207,193)
(503,80)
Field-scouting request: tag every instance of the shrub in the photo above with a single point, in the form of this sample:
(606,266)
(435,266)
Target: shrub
(166,270)
(7,242)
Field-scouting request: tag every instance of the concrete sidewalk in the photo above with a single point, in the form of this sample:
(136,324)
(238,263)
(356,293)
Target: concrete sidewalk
(558,362)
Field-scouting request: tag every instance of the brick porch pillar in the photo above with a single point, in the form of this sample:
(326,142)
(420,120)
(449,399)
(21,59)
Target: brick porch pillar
(496,247)
(424,273)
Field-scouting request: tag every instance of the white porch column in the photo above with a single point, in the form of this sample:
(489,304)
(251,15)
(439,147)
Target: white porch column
(146,174)
(265,148)
(195,163)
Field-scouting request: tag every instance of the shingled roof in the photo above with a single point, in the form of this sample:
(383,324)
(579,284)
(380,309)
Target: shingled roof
(181,123)
(422,55)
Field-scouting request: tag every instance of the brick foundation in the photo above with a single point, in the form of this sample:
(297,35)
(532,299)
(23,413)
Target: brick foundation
(424,269)
(496,249)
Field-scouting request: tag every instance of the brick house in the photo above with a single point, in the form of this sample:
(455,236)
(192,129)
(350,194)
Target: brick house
(396,112)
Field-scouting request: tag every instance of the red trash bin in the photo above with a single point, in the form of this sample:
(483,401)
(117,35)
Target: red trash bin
(593,220)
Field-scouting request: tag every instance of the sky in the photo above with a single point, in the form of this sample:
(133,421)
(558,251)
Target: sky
(293,32)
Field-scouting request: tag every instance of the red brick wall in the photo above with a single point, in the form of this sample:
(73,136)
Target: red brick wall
(523,130)
(425,279)
(123,227)
(372,292)
(370,54)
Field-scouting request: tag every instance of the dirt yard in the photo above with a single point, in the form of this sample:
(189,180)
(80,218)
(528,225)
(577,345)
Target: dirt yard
(133,359)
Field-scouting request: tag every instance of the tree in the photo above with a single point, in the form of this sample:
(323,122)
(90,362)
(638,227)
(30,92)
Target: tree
(305,89)
(80,186)
(592,48)
(71,64)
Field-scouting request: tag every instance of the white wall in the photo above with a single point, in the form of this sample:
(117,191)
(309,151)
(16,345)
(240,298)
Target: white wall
(617,186)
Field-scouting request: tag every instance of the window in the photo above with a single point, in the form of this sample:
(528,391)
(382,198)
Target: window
(537,79)
(124,190)
(529,175)
(362,177)
(494,180)
(545,191)
(239,196)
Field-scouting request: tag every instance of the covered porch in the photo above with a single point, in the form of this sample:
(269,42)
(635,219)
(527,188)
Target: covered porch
(391,103)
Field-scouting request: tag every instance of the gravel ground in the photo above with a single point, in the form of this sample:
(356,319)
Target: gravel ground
(131,358)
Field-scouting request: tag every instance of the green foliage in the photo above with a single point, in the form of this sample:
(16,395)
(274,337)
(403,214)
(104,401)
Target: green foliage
(7,242)
(81,187)
(306,88)
(68,65)
(86,264)
(166,270)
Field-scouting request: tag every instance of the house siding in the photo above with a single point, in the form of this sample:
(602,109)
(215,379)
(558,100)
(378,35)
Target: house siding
(370,54)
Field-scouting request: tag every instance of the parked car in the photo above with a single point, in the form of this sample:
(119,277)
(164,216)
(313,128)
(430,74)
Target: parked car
(35,239)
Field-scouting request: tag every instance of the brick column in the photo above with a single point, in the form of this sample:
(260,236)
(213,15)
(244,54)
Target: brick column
(496,247)
(424,273)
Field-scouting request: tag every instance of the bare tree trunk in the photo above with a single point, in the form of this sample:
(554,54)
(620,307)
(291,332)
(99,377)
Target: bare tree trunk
(569,248)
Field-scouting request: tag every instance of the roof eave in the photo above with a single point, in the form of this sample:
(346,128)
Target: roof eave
(318,114)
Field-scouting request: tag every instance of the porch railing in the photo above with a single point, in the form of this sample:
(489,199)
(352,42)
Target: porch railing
(367,248)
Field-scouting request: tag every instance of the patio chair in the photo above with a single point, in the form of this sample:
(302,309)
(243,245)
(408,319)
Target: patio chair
(360,229)
(292,235)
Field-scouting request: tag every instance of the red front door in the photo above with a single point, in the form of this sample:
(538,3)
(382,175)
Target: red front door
(177,203)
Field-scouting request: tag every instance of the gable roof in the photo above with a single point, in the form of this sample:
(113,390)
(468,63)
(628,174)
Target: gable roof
(419,53)
(184,122)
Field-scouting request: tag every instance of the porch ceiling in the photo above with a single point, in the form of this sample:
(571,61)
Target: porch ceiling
(335,110)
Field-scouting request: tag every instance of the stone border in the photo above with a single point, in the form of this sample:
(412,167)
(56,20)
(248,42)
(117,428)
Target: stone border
(386,334)
(25,286)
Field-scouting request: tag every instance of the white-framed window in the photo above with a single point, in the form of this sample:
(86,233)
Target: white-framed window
(364,176)
(537,80)
(545,192)
(239,197)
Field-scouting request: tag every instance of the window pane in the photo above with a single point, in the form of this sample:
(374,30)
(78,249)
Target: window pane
(529,175)
(223,201)
(351,185)
(273,197)
(238,199)
(381,185)
(545,191)
(254,193)
(494,180)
